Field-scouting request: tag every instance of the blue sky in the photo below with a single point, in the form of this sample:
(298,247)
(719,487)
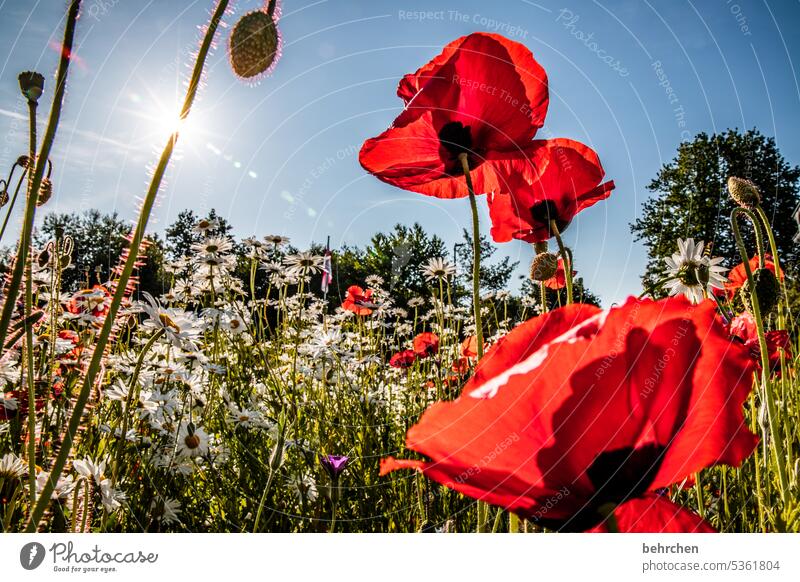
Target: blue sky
(629,78)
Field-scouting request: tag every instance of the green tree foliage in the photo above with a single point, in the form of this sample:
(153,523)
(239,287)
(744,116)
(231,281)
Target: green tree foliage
(396,257)
(493,276)
(691,199)
(98,243)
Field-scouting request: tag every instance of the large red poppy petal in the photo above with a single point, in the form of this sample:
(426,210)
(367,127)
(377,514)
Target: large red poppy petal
(488,82)
(526,338)
(406,154)
(656,514)
(562,172)
(713,430)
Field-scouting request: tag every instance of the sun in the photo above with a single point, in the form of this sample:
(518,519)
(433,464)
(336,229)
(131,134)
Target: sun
(166,123)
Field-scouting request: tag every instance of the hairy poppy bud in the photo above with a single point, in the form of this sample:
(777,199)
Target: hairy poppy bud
(254,44)
(31,84)
(45,192)
(767,290)
(3,197)
(744,192)
(543,266)
(23,161)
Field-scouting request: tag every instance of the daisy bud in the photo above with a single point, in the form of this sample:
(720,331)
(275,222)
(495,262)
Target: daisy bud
(31,84)
(767,290)
(254,44)
(45,192)
(544,266)
(744,192)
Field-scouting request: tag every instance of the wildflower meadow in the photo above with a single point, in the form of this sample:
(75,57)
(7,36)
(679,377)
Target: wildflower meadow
(211,382)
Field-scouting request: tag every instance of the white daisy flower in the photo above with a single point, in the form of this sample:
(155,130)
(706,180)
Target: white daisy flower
(691,273)
(437,269)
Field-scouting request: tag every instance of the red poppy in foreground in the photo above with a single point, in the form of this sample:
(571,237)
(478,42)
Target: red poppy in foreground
(484,96)
(559,280)
(738,276)
(426,344)
(358,300)
(743,327)
(566,179)
(404,359)
(579,413)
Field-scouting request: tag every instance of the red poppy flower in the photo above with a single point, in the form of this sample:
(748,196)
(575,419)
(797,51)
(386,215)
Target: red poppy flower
(469,347)
(358,300)
(426,344)
(738,276)
(580,411)
(460,365)
(95,302)
(565,179)
(404,359)
(484,95)
(73,338)
(559,280)
(743,327)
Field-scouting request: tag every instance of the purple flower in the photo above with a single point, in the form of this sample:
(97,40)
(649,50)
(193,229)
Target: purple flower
(334,465)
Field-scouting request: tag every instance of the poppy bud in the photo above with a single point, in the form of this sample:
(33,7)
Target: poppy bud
(45,192)
(767,290)
(543,266)
(254,44)
(3,197)
(744,192)
(31,84)
(23,161)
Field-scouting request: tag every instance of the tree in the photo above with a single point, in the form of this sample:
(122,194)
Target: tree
(397,257)
(98,240)
(691,198)
(180,235)
(493,277)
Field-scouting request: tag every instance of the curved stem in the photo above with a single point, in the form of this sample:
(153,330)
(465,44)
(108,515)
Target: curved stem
(28,309)
(138,235)
(38,174)
(13,201)
(565,257)
(476,255)
(777,441)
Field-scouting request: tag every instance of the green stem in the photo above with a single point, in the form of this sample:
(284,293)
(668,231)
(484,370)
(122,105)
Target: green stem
(476,255)
(119,293)
(28,309)
(12,203)
(777,441)
(41,162)
(566,258)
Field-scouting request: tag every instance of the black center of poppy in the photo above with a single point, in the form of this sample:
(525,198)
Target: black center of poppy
(456,138)
(545,211)
(624,473)
(616,476)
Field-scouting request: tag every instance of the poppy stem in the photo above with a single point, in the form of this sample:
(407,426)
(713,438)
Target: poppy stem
(28,309)
(476,255)
(566,257)
(777,440)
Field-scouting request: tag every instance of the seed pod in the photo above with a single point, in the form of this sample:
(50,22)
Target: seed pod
(744,192)
(768,291)
(543,266)
(45,192)
(254,45)
(31,84)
